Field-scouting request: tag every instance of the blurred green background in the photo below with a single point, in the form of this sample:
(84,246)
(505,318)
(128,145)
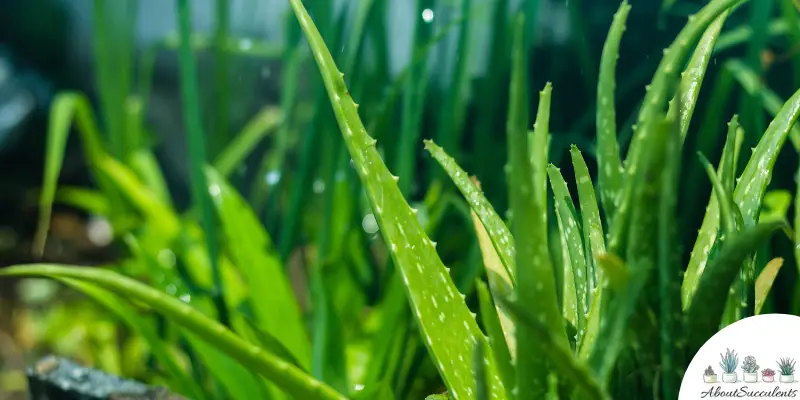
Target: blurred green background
(424,69)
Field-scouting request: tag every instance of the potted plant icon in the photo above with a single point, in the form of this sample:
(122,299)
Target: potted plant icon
(768,375)
(709,376)
(786,366)
(729,363)
(750,369)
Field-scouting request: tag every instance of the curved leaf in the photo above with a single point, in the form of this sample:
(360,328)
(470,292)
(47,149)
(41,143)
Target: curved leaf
(497,230)
(283,374)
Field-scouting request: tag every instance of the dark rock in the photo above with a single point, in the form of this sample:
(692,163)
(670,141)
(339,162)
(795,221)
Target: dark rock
(53,378)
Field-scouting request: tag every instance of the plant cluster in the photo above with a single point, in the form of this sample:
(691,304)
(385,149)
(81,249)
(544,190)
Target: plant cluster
(768,372)
(560,313)
(709,371)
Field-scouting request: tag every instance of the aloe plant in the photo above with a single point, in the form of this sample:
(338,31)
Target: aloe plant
(559,310)
(786,366)
(729,361)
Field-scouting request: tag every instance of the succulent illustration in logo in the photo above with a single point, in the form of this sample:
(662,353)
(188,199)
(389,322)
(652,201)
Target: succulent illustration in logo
(709,376)
(750,369)
(786,366)
(730,360)
(768,375)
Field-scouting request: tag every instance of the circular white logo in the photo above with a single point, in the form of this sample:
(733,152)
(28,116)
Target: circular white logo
(757,357)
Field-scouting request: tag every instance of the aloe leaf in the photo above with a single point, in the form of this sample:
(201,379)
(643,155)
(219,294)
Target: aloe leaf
(776,206)
(236,152)
(592,224)
(481,387)
(447,326)
(66,108)
(283,374)
(497,230)
(572,237)
(749,192)
(723,199)
(662,85)
(183,383)
(707,235)
(684,102)
(89,200)
(250,248)
(594,240)
(642,248)
(704,313)
(568,367)
(536,287)
(765,280)
(497,333)
(608,159)
(498,282)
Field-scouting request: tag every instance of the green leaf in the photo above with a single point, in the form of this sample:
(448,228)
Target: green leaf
(642,248)
(572,237)
(183,383)
(497,230)
(497,334)
(707,235)
(586,384)
(238,380)
(748,195)
(448,327)
(776,206)
(724,199)
(237,151)
(67,107)
(536,287)
(481,386)
(594,240)
(608,160)
(765,280)
(276,309)
(144,163)
(704,313)
(289,378)
(662,86)
(499,284)
(684,102)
